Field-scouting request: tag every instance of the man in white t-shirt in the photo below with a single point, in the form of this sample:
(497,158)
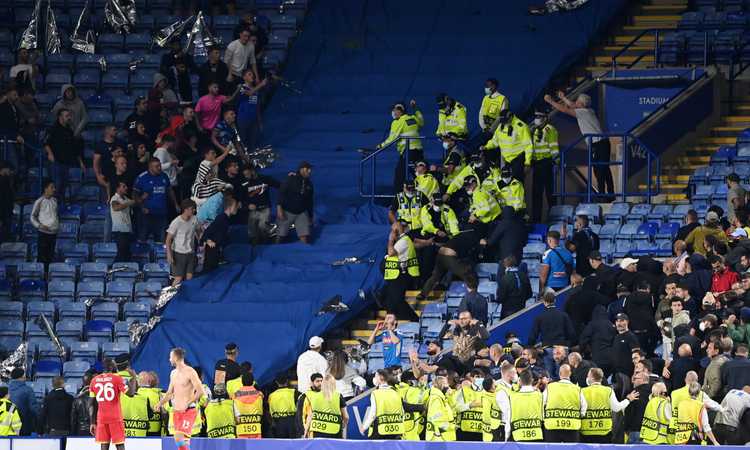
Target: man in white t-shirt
(180,243)
(588,123)
(310,362)
(122,225)
(168,160)
(240,55)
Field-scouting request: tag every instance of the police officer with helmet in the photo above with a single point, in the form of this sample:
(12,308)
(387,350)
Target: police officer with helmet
(451,117)
(544,138)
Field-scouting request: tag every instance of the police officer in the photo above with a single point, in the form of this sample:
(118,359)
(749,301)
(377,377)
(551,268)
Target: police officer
(385,417)
(401,270)
(493,104)
(148,386)
(692,419)
(483,207)
(282,405)
(596,426)
(526,410)
(424,181)
(564,405)
(407,204)
(414,398)
(656,416)
(454,156)
(487,174)
(248,409)
(10,420)
(544,138)
(405,125)
(440,416)
(469,407)
(511,192)
(451,117)
(136,413)
(438,220)
(513,139)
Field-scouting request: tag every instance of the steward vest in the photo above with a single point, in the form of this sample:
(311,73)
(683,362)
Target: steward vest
(393,265)
(513,195)
(563,409)
(326,414)
(426,184)
(281,403)
(154,420)
(446,217)
(389,413)
(514,140)
(484,206)
(677,396)
(471,420)
(10,419)
(440,418)
(414,421)
(545,142)
(248,411)
(526,410)
(655,423)
(233,386)
(407,125)
(488,181)
(491,107)
(220,419)
(688,421)
(409,207)
(453,121)
(598,418)
(135,414)
(492,417)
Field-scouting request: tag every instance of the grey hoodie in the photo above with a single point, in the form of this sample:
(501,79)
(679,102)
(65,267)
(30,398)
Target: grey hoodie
(168,95)
(77,109)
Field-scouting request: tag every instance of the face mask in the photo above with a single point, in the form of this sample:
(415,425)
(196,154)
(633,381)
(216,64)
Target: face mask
(410,194)
(436,208)
(478,382)
(487,91)
(446,145)
(477,165)
(506,180)
(444,389)
(375,381)
(588,382)
(538,121)
(393,114)
(702,326)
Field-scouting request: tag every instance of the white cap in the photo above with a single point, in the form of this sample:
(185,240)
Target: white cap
(316,341)
(626,262)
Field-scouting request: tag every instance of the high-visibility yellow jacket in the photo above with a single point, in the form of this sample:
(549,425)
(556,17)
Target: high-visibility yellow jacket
(655,421)
(512,194)
(488,183)
(426,184)
(484,206)
(514,140)
(448,221)
(545,141)
(453,121)
(490,109)
(407,125)
(10,420)
(441,424)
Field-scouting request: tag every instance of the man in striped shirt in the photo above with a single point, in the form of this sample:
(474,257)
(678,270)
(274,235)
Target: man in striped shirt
(207,182)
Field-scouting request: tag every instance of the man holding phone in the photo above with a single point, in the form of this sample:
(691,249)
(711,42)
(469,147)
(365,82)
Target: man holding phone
(385,332)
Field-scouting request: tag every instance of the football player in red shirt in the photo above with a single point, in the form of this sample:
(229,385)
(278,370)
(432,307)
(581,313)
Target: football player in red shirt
(107,425)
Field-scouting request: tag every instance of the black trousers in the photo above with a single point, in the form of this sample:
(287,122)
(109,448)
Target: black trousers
(211,258)
(606,439)
(727,435)
(604,181)
(395,301)
(511,307)
(517,167)
(443,265)
(561,436)
(46,248)
(468,436)
(542,187)
(123,241)
(399,176)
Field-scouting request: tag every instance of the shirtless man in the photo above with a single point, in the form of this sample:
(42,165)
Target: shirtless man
(185,390)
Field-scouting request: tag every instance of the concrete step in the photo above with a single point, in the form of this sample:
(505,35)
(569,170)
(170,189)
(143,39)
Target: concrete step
(657,18)
(638,28)
(648,39)
(717,141)
(663,9)
(736,120)
(624,59)
(636,48)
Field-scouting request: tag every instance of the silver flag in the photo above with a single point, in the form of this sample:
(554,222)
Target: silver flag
(262,157)
(165,296)
(84,43)
(30,36)
(564,5)
(103,64)
(42,322)
(15,359)
(137,329)
(120,15)
(200,39)
(53,36)
(171,32)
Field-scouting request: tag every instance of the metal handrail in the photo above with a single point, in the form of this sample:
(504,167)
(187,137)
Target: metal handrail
(651,157)
(373,173)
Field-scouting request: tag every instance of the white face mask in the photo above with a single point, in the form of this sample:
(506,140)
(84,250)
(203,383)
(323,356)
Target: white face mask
(702,326)
(506,180)
(393,114)
(538,121)
(478,382)
(409,194)
(436,208)
(487,91)
(446,145)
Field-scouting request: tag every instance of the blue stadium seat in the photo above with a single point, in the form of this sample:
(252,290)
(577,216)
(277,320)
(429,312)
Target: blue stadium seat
(125,270)
(47,369)
(84,351)
(609,231)
(678,215)
(120,288)
(660,213)
(70,212)
(30,270)
(95,270)
(6,290)
(54,81)
(647,231)
(10,343)
(435,310)
(41,387)
(99,331)
(140,252)
(109,43)
(147,289)
(11,311)
(100,119)
(156,271)
(409,329)
(92,233)
(591,210)
(560,213)
(538,232)
(48,350)
(31,290)
(101,102)
(534,250)
(104,251)
(115,80)
(14,250)
(68,231)
(617,213)
(142,79)
(487,289)
(456,289)
(59,63)
(668,230)
(90,289)
(623,248)
(78,252)
(95,212)
(113,349)
(10,327)
(87,79)
(69,328)
(33,309)
(487,270)
(105,311)
(137,41)
(61,271)
(121,330)
(35,331)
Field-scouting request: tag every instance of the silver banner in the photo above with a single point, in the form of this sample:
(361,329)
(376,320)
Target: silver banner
(53,36)
(262,157)
(15,359)
(42,322)
(165,296)
(199,38)
(167,34)
(120,16)
(103,64)
(83,43)
(30,36)
(137,329)
(564,5)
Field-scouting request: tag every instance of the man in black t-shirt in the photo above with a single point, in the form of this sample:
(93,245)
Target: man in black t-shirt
(104,154)
(226,369)
(623,346)
(583,243)
(138,115)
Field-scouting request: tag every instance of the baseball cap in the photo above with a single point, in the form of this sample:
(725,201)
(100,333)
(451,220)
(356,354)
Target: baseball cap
(421,163)
(622,316)
(711,216)
(595,255)
(626,262)
(305,165)
(316,341)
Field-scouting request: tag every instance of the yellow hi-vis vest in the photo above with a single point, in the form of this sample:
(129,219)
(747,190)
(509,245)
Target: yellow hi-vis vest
(484,206)
(414,421)
(514,140)
(326,414)
(10,419)
(491,107)
(154,420)
(233,386)
(598,418)
(281,403)
(393,265)
(452,396)
(545,142)
(677,396)
(526,410)
(492,417)
(440,418)
(407,125)
(426,184)
(248,411)
(135,414)
(489,183)
(655,423)
(448,221)
(220,421)
(513,195)
(409,207)
(453,122)
(389,413)
(563,410)
(471,419)
(688,421)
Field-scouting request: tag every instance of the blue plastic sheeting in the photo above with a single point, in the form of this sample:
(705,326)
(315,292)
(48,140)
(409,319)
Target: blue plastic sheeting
(519,323)
(266,303)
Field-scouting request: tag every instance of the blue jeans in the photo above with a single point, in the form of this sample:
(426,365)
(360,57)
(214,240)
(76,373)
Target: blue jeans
(60,177)
(151,225)
(634,437)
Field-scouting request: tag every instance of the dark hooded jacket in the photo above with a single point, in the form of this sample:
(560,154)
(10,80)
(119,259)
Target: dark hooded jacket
(509,236)
(597,336)
(699,280)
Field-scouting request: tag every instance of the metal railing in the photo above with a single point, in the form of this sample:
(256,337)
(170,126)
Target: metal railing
(371,156)
(630,144)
